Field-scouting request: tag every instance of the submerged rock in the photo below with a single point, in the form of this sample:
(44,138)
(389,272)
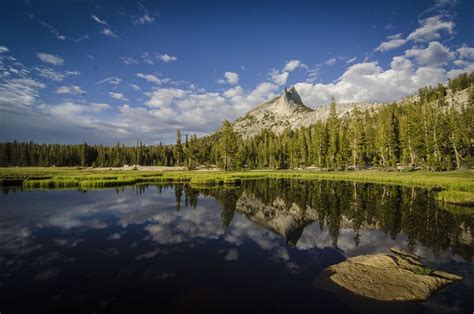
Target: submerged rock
(387,277)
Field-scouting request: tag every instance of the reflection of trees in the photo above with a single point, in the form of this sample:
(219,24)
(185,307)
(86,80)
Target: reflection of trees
(288,206)
(178,192)
(227,197)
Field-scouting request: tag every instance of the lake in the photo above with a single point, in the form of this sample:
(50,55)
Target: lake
(257,247)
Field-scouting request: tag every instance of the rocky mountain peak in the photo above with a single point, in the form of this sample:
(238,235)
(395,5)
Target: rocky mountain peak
(292,95)
(276,114)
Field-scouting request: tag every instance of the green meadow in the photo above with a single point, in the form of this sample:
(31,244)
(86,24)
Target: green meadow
(456,187)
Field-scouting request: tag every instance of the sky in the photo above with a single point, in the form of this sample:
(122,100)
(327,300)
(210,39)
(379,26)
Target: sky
(104,72)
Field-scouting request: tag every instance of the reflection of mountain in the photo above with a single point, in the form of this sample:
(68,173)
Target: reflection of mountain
(287,207)
(287,221)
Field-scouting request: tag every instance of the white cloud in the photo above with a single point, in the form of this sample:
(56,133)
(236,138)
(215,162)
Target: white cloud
(434,55)
(466,67)
(166,58)
(292,65)
(367,82)
(98,20)
(279,78)
(165,97)
(145,18)
(18,93)
(331,61)
(135,87)
(118,96)
(73,73)
(49,58)
(466,52)
(147,58)
(431,29)
(98,107)
(108,32)
(313,73)
(50,73)
(70,89)
(3,49)
(76,114)
(111,80)
(53,31)
(231,78)
(150,78)
(128,60)
(394,41)
(351,60)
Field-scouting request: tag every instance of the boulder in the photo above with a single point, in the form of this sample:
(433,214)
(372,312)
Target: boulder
(385,277)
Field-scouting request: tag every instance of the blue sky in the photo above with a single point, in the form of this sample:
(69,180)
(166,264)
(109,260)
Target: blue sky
(108,71)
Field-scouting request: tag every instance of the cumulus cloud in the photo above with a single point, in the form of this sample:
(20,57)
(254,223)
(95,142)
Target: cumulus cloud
(3,49)
(278,77)
(70,89)
(150,78)
(465,67)
(367,82)
(431,29)
(166,58)
(118,96)
(292,65)
(111,80)
(98,20)
(76,114)
(231,78)
(108,32)
(464,52)
(393,42)
(49,58)
(434,55)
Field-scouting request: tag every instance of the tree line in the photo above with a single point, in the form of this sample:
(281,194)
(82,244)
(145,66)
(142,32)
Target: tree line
(430,133)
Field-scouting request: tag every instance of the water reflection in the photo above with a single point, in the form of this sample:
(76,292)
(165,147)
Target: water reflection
(262,229)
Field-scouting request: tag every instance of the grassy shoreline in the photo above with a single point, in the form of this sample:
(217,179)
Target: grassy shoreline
(457,186)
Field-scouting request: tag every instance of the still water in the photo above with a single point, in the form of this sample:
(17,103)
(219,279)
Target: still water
(254,248)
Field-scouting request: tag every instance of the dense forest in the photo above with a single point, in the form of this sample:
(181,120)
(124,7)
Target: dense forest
(428,133)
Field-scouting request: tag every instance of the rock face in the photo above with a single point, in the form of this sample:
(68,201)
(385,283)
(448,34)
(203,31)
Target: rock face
(276,114)
(386,277)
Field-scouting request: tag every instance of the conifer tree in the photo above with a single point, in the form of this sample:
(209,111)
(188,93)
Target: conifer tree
(227,145)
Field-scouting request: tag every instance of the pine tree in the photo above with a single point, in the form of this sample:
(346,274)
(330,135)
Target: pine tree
(227,145)
(332,127)
(356,137)
(178,149)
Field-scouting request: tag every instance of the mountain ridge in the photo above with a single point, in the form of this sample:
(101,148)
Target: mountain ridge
(289,111)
